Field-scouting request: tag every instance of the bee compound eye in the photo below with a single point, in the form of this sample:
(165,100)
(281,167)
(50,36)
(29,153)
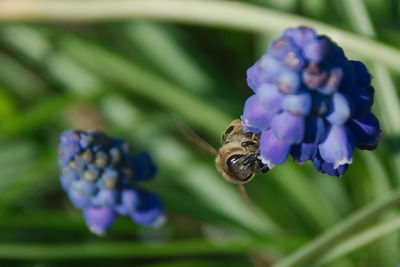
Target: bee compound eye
(239,168)
(233,159)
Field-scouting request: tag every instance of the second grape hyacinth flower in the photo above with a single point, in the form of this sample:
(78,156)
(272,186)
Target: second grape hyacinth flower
(100,175)
(310,102)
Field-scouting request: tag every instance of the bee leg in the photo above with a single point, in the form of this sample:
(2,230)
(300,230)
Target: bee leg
(264,168)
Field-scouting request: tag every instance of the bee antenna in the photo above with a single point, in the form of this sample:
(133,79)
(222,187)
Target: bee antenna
(191,135)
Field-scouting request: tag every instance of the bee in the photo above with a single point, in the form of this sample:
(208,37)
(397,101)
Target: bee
(237,159)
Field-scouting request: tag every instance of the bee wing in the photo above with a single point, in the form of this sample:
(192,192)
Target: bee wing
(191,135)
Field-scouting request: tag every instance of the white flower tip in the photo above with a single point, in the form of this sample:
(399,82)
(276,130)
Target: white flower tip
(267,162)
(341,162)
(97,230)
(159,222)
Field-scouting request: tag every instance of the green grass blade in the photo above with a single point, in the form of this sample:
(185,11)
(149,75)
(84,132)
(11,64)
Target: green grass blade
(380,182)
(41,174)
(118,250)
(306,196)
(19,79)
(172,59)
(37,49)
(372,234)
(232,15)
(340,230)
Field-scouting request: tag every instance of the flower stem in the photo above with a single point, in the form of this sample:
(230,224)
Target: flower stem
(341,230)
(227,14)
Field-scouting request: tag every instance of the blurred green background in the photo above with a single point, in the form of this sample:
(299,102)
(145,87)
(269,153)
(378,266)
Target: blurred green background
(128,77)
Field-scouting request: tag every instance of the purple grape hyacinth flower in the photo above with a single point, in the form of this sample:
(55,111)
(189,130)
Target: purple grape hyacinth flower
(99,174)
(311,102)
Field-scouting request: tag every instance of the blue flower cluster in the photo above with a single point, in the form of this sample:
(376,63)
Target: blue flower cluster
(98,173)
(311,102)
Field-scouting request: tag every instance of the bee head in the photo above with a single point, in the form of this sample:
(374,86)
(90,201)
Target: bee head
(238,168)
